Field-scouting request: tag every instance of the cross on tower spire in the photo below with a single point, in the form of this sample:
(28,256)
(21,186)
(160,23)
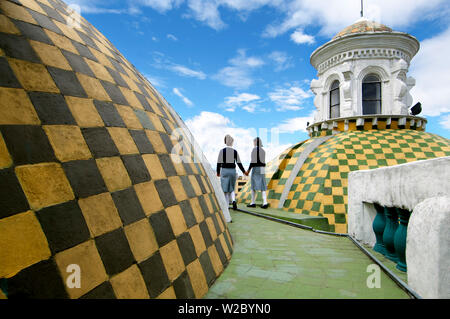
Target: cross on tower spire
(362,8)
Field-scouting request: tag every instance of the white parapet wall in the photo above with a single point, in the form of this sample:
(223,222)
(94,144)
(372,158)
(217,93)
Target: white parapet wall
(428,248)
(422,187)
(403,186)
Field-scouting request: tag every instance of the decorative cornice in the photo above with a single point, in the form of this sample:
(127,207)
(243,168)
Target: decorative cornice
(366,53)
(393,41)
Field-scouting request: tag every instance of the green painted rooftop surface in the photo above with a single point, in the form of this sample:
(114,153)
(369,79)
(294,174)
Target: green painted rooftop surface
(277,261)
(316,222)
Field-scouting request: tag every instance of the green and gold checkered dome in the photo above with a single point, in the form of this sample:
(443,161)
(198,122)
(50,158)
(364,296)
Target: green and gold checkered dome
(320,186)
(87,178)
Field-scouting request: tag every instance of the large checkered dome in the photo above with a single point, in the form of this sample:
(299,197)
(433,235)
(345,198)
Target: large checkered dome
(96,199)
(311,177)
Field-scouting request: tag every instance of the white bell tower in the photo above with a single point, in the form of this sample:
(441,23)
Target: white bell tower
(363,71)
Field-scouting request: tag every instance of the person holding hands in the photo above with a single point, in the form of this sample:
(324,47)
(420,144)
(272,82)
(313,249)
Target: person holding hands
(257,168)
(226,170)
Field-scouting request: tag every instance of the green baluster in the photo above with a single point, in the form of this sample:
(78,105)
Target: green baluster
(400,238)
(389,232)
(379,223)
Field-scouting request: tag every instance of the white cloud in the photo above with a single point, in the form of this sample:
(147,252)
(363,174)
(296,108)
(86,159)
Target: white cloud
(300,38)
(163,62)
(134,10)
(234,77)
(172,37)
(177,92)
(334,15)
(248,5)
(239,74)
(431,69)
(209,129)
(206,11)
(296,124)
(242,60)
(289,99)
(93,7)
(445,121)
(159,5)
(246,101)
(282,60)
(241,98)
(330,16)
(185,71)
(156,81)
(250,108)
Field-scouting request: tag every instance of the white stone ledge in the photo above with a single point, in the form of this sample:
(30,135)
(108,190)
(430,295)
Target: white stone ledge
(422,187)
(428,248)
(402,186)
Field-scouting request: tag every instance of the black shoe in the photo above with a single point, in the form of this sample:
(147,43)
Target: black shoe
(251,205)
(234,205)
(265,206)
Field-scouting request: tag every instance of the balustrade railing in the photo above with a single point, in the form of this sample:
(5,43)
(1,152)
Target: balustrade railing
(390,228)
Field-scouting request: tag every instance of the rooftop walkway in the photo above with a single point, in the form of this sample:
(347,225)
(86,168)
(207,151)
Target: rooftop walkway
(278,261)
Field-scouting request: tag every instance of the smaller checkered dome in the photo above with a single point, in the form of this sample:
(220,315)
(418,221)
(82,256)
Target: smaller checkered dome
(319,187)
(88,178)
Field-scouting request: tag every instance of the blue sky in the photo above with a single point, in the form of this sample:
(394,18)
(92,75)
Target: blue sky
(242,66)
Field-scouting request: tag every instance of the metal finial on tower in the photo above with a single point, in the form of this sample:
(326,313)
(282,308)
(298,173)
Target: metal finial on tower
(362,8)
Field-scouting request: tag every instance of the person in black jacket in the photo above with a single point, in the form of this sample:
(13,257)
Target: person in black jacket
(258,178)
(226,169)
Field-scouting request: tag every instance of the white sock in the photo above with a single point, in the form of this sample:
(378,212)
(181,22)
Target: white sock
(264,196)
(233,196)
(253,197)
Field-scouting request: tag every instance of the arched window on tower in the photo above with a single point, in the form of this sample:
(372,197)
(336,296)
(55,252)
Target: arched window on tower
(335,100)
(371,95)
